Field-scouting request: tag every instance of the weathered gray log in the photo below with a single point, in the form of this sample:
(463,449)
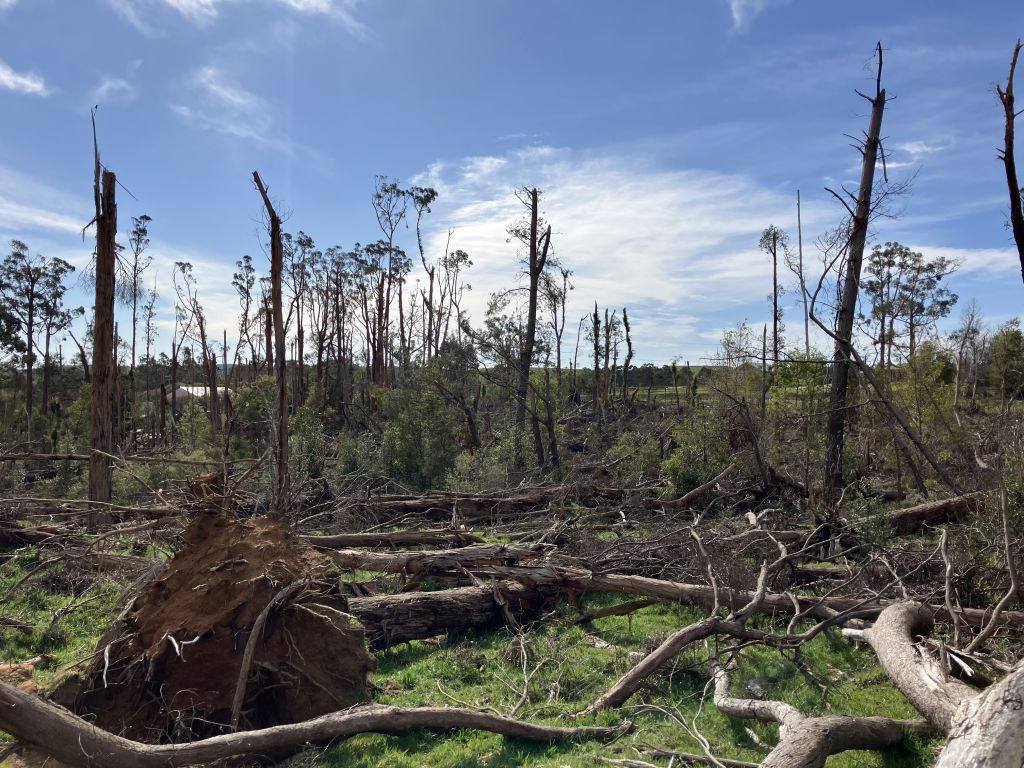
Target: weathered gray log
(393,619)
(581,580)
(913,519)
(424,561)
(806,742)
(56,732)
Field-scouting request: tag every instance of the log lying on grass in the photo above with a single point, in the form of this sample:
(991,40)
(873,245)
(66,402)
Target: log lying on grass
(806,742)
(424,561)
(983,729)
(56,732)
(581,580)
(393,619)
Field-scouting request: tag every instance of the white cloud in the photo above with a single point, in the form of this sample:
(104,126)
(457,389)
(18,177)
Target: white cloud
(745,11)
(139,13)
(20,82)
(672,245)
(225,107)
(990,261)
(114,89)
(30,206)
(5,4)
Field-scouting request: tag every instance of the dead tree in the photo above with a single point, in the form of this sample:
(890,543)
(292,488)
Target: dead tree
(806,742)
(281,476)
(847,311)
(539,245)
(101,437)
(75,742)
(982,729)
(1006,155)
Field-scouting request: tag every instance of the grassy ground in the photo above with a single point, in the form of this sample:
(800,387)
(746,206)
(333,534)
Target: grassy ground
(568,667)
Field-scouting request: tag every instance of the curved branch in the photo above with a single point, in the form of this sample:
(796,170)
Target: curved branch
(56,732)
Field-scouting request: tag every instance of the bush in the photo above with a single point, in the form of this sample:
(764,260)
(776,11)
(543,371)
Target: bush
(640,458)
(419,444)
(701,451)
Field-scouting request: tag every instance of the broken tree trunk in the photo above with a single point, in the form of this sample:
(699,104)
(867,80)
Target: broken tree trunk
(848,298)
(56,732)
(806,742)
(581,580)
(281,476)
(912,519)
(983,729)
(413,563)
(1009,162)
(988,730)
(102,395)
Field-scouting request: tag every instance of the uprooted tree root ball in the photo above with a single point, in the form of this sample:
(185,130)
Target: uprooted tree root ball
(240,593)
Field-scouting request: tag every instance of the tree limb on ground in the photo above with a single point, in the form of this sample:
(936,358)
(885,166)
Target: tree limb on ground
(58,733)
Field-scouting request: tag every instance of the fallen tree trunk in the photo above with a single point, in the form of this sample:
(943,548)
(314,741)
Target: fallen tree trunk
(988,730)
(688,498)
(984,729)
(806,742)
(580,580)
(56,732)
(912,519)
(411,563)
(393,619)
(451,536)
(16,536)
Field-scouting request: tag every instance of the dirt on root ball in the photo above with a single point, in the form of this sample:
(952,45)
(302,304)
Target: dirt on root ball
(167,670)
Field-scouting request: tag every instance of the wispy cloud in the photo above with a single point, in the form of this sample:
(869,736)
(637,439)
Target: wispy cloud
(114,89)
(30,206)
(22,82)
(745,11)
(672,245)
(222,106)
(5,4)
(139,13)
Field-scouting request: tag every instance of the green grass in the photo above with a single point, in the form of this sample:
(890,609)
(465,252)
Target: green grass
(827,676)
(67,613)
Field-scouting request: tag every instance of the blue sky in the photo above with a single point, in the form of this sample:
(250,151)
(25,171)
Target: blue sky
(665,134)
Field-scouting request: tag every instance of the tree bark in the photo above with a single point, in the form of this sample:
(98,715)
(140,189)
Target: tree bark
(101,438)
(539,245)
(281,491)
(1009,163)
(988,731)
(393,619)
(848,298)
(56,732)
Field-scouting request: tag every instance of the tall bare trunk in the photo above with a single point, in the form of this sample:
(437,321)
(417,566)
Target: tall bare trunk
(848,298)
(281,476)
(538,257)
(100,477)
(1006,155)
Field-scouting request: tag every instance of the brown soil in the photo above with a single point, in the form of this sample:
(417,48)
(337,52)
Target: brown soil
(167,670)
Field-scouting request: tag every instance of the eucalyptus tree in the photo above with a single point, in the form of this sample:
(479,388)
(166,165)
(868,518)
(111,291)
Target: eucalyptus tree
(32,288)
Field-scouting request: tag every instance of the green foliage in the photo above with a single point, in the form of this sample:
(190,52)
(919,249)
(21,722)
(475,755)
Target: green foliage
(419,443)
(255,406)
(1006,360)
(307,444)
(639,457)
(701,451)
